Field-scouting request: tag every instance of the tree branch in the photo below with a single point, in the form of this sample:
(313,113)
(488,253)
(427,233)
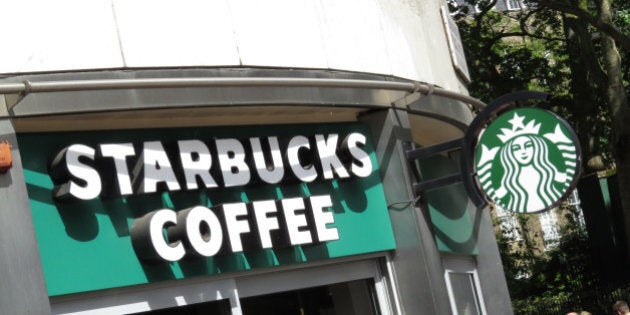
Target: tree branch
(621,39)
(484,11)
(586,50)
(523,23)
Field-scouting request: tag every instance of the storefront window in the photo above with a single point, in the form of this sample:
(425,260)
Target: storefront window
(221,307)
(351,288)
(463,287)
(350,298)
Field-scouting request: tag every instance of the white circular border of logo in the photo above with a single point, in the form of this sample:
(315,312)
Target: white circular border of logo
(527,160)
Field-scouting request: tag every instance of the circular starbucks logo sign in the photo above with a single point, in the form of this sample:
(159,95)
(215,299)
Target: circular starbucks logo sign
(527,160)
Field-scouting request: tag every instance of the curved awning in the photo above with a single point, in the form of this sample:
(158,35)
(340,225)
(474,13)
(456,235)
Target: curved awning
(178,97)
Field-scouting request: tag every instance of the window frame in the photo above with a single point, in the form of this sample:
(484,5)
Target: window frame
(509,7)
(137,299)
(462,265)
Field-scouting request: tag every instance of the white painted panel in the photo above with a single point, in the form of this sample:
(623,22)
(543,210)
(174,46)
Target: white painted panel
(41,35)
(283,33)
(406,41)
(157,33)
(391,37)
(353,36)
(118,309)
(147,297)
(444,73)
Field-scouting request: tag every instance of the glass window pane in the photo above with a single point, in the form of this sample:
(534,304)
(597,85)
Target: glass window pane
(349,298)
(513,4)
(221,307)
(464,294)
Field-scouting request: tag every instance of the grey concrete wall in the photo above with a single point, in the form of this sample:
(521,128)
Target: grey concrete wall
(22,286)
(417,264)
(489,267)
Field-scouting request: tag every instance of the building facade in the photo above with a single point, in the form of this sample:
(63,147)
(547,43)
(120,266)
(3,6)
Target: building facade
(237,157)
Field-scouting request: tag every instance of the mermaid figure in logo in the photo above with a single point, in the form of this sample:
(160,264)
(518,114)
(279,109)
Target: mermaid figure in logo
(528,174)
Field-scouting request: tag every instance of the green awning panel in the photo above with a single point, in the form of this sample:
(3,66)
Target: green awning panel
(448,207)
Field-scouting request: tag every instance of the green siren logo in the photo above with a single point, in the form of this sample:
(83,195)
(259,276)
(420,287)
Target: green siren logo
(527,160)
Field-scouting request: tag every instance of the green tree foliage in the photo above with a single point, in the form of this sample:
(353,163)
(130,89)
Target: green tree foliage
(528,49)
(557,274)
(520,254)
(566,268)
(621,21)
(554,46)
(579,52)
(503,58)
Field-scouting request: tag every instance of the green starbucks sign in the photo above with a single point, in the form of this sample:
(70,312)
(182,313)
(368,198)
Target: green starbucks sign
(527,160)
(129,207)
(520,158)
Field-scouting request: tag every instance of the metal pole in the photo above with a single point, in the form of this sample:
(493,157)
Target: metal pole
(437,182)
(434,149)
(147,83)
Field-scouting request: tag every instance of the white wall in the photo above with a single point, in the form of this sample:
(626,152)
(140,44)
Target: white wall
(403,38)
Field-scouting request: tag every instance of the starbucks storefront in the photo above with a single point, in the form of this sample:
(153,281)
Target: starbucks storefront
(158,206)
(173,207)
(238,157)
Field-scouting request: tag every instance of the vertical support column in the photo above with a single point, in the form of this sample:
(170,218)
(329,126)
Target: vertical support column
(489,267)
(416,266)
(22,288)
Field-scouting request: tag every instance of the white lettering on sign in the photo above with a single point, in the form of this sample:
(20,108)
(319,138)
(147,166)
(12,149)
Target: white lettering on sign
(198,231)
(157,168)
(197,219)
(327,149)
(266,223)
(166,250)
(84,181)
(236,226)
(167,235)
(269,173)
(232,159)
(77,170)
(120,152)
(296,221)
(364,167)
(305,173)
(196,162)
(323,218)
